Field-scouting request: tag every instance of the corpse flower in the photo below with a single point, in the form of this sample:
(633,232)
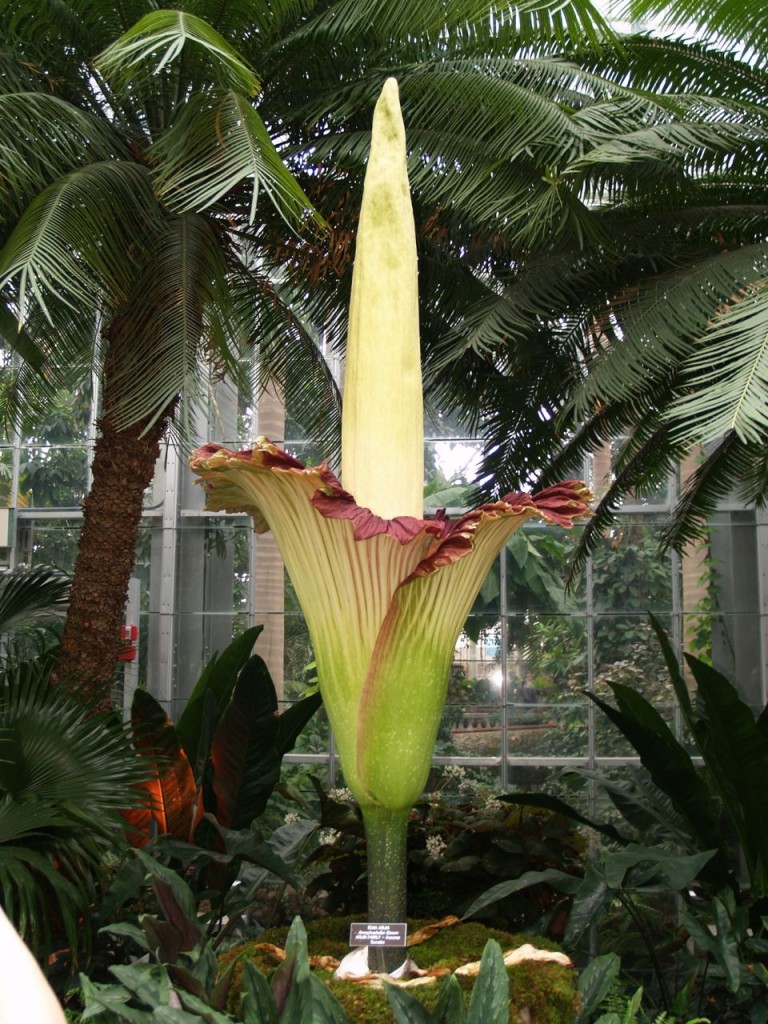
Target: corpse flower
(384,591)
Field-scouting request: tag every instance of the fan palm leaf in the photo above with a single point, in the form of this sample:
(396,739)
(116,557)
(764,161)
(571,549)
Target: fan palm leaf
(32,596)
(64,776)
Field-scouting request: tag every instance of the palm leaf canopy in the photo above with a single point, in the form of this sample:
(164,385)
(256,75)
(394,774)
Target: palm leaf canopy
(673,355)
(557,174)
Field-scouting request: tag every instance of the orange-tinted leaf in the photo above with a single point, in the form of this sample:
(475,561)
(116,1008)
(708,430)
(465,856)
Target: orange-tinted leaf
(138,825)
(172,792)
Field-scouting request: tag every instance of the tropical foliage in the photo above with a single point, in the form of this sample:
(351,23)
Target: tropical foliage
(667,300)
(115,248)
(179,973)
(64,777)
(677,827)
(222,758)
(31,600)
(514,135)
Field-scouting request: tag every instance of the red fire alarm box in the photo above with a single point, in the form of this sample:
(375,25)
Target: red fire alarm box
(129,634)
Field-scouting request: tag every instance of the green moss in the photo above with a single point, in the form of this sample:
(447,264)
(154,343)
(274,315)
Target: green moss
(547,990)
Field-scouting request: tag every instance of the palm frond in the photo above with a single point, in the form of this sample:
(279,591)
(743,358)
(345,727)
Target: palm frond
(75,239)
(159,38)
(721,470)
(344,22)
(279,323)
(56,354)
(743,25)
(32,596)
(656,323)
(725,379)
(218,142)
(646,459)
(44,138)
(661,65)
(37,887)
(16,339)
(245,23)
(159,341)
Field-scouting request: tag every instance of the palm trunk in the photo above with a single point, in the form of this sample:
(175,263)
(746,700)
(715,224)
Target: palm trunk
(123,467)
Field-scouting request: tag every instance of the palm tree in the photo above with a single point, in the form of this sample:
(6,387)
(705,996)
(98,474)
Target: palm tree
(137,148)
(116,239)
(655,330)
(129,192)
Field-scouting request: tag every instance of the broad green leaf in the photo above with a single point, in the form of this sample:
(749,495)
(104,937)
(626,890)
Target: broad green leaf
(668,763)
(127,930)
(325,1008)
(672,870)
(550,876)
(258,1003)
(246,845)
(249,744)
(558,806)
(219,677)
(489,1002)
(291,985)
(157,872)
(729,954)
(590,901)
(595,982)
(406,1008)
(172,788)
(736,754)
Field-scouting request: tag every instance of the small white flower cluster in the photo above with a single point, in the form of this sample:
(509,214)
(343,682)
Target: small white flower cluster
(436,846)
(340,795)
(454,773)
(478,791)
(292,818)
(328,836)
(492,804)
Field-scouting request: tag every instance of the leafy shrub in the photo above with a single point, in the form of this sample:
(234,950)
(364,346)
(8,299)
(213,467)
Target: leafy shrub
(546,990)
(458,846)
(65,774)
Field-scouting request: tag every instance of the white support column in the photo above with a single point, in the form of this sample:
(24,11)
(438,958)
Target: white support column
(162,597)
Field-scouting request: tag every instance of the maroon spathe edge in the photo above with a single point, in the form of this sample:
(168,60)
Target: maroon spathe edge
(560,503)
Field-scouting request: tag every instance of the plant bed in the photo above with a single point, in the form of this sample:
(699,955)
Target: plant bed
(541,992)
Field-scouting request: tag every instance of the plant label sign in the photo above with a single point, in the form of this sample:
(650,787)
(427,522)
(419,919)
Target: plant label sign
(366,933)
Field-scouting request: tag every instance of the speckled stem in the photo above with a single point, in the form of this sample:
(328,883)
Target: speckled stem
(386,834)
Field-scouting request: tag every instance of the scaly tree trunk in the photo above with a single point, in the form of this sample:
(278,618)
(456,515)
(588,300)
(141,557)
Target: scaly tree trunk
(123,467)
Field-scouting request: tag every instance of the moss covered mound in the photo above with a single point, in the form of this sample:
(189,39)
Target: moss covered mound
(547,991)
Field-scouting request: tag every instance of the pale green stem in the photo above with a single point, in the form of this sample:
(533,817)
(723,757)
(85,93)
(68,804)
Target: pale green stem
(386,840)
